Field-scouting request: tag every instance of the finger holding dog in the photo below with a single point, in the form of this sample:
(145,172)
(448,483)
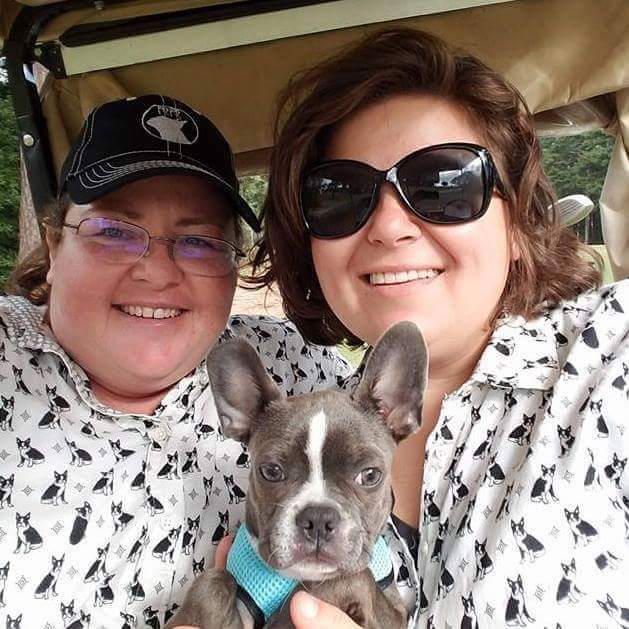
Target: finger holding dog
(308,612)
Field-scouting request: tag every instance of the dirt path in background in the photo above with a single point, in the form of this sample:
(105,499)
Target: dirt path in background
(264,302)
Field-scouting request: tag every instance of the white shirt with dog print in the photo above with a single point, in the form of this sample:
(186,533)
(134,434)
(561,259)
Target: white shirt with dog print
(105,517)
(525,511)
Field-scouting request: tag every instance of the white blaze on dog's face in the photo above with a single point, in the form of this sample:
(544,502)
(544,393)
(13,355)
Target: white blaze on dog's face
(308,503)
(319,491)
(312,494)
(314,450)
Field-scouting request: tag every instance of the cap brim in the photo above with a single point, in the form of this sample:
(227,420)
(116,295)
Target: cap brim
(94,183)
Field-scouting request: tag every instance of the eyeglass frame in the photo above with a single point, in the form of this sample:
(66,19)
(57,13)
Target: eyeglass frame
(170,241)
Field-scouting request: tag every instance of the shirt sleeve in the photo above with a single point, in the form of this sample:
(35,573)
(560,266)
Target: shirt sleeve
(608,403)
(597,509)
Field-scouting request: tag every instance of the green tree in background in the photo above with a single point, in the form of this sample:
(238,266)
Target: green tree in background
(576,164)
(9,185)
(253,190)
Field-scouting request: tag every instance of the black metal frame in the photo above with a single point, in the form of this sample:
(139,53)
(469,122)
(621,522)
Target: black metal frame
(21,52)
(92,33)
(19,59)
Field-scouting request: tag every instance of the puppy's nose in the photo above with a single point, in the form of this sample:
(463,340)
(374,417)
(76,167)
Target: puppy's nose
(318,522)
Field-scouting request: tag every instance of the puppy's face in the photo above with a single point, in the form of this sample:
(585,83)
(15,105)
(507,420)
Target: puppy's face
(319,489)
(320,481)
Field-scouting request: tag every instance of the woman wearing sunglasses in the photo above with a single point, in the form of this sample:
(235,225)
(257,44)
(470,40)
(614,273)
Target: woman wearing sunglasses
(406,184)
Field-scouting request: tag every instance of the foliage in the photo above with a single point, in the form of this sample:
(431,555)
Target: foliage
(253,190)
(577,164)
(9,185)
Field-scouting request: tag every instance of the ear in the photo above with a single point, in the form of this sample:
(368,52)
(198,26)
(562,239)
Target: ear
(395,378)
(241,387)
(52,254)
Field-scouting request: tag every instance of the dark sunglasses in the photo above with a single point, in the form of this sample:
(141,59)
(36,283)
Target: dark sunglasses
(444,184)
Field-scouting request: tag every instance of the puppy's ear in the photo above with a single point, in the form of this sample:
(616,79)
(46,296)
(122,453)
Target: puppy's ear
(394,379)
(241,387)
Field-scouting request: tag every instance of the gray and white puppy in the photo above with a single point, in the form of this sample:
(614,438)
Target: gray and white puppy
(319,490)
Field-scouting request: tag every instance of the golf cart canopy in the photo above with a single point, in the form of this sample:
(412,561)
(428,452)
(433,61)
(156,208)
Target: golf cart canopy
(229,59)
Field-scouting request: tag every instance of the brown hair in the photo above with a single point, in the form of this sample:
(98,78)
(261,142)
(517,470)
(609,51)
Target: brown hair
(553,264)
(29,276)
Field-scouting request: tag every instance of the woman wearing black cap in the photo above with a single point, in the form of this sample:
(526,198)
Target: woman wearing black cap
(115,483)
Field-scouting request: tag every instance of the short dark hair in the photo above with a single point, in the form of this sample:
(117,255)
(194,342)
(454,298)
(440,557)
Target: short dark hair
(553,264)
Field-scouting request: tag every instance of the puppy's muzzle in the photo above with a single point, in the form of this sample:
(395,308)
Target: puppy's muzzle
(318,523)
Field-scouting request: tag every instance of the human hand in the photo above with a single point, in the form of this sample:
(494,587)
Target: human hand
(220,561)
(222,550)
(308,612)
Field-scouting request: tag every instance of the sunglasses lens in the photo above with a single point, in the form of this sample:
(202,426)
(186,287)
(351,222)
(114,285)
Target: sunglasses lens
(446,185)
(336,198)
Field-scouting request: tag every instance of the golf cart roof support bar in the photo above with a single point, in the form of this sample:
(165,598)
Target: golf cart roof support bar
(18,52)
(93,33)
(108,44)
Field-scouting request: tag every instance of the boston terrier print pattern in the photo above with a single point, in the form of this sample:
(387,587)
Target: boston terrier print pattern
(527,465)
(525,501)
(106,518)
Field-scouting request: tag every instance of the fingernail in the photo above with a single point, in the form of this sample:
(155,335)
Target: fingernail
(308,606)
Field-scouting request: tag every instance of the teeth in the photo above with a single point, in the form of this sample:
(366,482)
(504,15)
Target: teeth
(151,313)
(402,276)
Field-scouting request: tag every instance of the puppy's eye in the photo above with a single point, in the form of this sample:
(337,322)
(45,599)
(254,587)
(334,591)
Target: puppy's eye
(272,472)
(369,477)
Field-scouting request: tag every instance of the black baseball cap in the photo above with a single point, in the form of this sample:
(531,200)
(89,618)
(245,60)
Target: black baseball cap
(134,138)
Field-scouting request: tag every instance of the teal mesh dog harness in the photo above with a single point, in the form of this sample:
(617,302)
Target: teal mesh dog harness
(263,590)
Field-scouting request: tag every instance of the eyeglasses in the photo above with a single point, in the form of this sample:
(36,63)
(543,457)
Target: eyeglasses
(442,184)
(119,242)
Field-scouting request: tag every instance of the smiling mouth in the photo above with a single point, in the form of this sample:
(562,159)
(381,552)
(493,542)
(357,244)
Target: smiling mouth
(402,277)
(145,312)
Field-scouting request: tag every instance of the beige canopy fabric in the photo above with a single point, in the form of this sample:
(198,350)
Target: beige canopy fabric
(570,59)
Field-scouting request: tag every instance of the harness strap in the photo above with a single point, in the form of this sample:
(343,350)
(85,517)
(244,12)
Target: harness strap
(263,590)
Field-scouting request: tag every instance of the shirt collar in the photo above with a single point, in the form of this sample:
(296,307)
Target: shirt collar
(521,354)
(26,327)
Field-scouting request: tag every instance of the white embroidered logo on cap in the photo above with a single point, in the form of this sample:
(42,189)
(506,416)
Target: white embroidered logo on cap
(170,124)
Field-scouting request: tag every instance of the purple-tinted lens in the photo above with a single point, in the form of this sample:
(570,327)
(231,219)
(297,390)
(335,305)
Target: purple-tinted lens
(203,255)
(113,240)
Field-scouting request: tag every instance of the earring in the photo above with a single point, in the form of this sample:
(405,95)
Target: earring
(308,294)
(325,323)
